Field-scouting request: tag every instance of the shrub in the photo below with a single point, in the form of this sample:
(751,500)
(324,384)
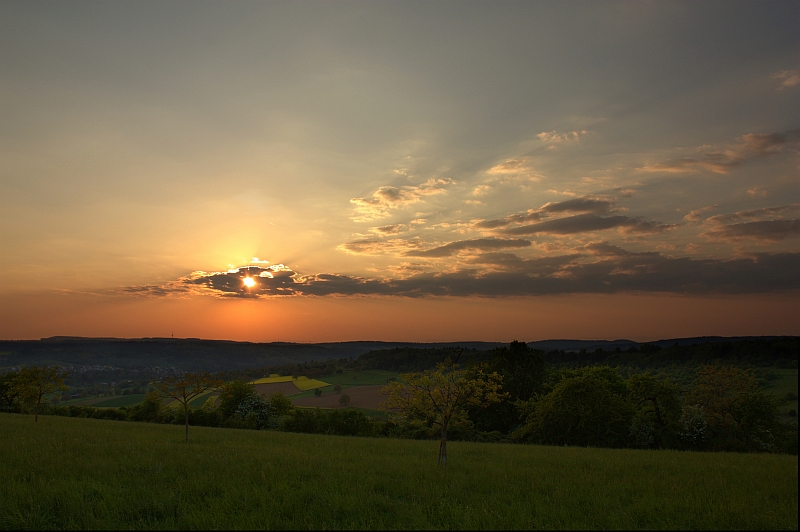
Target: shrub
(256,412)
(338,422)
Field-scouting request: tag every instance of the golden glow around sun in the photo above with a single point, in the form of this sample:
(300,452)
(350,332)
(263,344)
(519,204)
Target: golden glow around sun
(249,282)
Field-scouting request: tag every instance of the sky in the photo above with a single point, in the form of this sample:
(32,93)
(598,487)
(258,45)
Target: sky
(401,171)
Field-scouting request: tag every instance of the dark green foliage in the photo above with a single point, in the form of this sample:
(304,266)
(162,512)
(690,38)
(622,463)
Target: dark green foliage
(523,372)
(410,359)
(346,422)
(280,404)
(149,410)
(257,413)
(658,411)
(776,352)
(8,395)
(739,415)
(588,407)
(231,395)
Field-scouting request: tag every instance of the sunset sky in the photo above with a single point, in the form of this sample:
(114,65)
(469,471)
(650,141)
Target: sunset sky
(403,171)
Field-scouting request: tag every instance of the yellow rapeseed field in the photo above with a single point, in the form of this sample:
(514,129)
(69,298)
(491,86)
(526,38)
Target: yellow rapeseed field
(302,383)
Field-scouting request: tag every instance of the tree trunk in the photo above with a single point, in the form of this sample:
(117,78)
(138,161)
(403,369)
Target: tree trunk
(443,448)
(186,411)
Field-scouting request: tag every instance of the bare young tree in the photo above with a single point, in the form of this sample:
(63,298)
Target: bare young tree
(185,388)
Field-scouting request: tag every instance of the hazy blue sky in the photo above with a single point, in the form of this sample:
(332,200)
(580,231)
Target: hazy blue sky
(402,159)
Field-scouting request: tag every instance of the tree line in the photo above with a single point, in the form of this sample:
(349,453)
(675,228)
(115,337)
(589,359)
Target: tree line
(509,394)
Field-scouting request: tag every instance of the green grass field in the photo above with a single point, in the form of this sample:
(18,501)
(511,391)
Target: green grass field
(785,383)
(121,400)
(84,473)
(367,377)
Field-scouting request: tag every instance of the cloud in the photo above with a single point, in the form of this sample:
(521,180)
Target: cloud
(394,229)
(750,147)
(553,137)
(582,223)
(764,230)
(477,244)
(511,172)
(789,78)
(755,191)
(510,167)
(387,198)
(756,214)
(518,218)
(712,162)
(694,216)
(394,246)
(585,204)
(766,225)
(605,269)
(407,269)
(605,249)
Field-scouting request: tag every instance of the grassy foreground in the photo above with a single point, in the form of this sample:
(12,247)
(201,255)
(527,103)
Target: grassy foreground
(85,473)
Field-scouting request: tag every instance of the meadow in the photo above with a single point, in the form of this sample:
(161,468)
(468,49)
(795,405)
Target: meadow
(86,473)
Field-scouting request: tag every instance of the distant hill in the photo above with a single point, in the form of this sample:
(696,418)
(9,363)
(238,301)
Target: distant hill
(192,354)
(188,354)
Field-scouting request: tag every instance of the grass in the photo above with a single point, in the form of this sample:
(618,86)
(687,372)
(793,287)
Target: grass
(368,377)
(785,382)
(352,379)
(86,473)
(121,400)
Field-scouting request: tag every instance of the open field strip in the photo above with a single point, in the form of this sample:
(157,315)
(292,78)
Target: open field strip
(785,383)
(201,399)
(120,400)
(366,377)
(84,473)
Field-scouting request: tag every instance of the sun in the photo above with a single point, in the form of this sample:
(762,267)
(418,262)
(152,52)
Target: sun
(249,282)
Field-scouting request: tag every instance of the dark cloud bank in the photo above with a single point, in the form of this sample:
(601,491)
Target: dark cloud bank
(603,268)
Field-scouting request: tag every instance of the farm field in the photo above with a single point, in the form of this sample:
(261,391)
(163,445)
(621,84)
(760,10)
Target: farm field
(368,397)
(84,473)
(120,400)
(367,377)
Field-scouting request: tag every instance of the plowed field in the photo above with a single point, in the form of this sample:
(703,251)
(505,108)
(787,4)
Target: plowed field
(360,396)
(287,388)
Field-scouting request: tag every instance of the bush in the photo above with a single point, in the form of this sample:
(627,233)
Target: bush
(256,412)
(338,422)
(148,410)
